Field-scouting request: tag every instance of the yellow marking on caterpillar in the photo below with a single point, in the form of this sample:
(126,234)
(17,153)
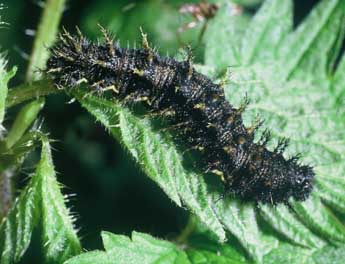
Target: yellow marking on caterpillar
(101,63)
(219,173)
(111,88)
(138,72)
(199,106)
(146,45)
(54,70)
(82,80)
(228,150)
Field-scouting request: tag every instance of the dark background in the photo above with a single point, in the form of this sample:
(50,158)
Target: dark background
(111,193)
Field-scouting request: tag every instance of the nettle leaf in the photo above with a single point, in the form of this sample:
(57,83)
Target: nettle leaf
(240,220)
(203,249)
(287,254)
(59,236)
(329,255)
(310,49)
(247,3)
(286,75)
(40,204)
(141,248)
(224,35)
(286,223)
(338,86)
(5,76)
(266,30)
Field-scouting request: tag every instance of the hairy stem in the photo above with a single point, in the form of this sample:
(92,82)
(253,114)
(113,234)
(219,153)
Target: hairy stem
(45,37)
(29,91)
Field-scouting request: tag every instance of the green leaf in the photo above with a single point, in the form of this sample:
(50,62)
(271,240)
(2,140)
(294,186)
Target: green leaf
(329,255)
(320,219)
(4,78)
(247,3)
(331,190)
(12,158)
(307,51)
(286,223)
(338,84)
(59,239)
(24,119)
(202,248)
(40,203)
(223,38)
(240,220)
(290,254)
(266,30)
(205,257)
(287,254)
(141,248)
(16,229)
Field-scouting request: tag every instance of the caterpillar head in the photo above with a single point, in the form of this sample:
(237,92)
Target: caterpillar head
(301,182)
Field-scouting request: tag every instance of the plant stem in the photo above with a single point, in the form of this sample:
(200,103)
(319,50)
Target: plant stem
(28,91)
(45,37)
(188,229)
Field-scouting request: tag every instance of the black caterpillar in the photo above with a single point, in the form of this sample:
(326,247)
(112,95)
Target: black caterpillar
(193,105)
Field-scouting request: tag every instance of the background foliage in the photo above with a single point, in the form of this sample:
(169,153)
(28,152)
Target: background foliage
(286,57)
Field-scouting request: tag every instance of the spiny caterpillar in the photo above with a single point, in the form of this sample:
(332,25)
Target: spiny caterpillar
(193,105)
